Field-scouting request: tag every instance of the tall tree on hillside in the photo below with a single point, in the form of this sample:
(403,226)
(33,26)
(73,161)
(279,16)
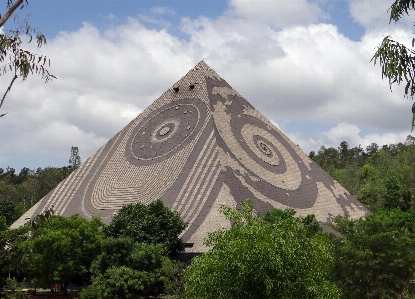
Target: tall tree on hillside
(16,60)
(75,159)
(397,60)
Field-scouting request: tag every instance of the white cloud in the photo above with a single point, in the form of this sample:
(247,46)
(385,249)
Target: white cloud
(350,133)
(277,12)
(376,14)
(111,17)
(162,10)
(304,71)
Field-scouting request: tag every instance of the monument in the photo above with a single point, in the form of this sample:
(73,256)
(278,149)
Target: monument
(197,147)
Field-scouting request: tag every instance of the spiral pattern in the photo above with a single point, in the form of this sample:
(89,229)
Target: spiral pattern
(165,131)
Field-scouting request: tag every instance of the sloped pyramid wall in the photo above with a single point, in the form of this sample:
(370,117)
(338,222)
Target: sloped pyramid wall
(199,146)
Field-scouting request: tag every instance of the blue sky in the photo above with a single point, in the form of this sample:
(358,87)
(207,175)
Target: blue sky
(69,15)
(304,64)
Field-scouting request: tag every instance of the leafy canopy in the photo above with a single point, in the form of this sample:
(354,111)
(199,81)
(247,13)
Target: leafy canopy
(152,224)
(374,256)
(61,248)
(21,63)
(126,269)
(397,60)
(277,258)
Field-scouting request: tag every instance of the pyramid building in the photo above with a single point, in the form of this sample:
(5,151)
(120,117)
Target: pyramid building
(197,147)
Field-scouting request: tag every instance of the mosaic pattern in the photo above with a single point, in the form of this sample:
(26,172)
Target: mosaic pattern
(197,147)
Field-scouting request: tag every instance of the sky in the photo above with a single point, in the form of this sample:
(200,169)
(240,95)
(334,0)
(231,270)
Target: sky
(305,64)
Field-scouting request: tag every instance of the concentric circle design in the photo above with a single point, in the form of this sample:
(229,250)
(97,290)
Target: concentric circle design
(267,152)
(265,156)
(165,131)
(260,142)
(264,148)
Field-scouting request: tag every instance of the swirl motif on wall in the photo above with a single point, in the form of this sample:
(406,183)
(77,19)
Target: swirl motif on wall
(165,131)
(265,148)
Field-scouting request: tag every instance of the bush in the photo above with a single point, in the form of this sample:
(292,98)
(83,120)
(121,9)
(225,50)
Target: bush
(126,269)
(152,224)
(277,258)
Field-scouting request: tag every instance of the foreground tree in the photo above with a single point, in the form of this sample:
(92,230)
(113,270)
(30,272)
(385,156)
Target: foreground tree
(61,248)
(397,60)
(11,250)
(375,255)
(152,224)
(126,269)
(21,63)
(276,258)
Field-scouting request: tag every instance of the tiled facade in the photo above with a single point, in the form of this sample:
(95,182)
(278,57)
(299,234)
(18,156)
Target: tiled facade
(197,147)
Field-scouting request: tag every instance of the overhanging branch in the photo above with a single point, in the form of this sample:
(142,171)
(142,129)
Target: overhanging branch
(7,15)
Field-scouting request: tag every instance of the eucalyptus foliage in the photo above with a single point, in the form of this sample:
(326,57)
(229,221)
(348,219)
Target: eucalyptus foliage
(397,60)
(262,259)
(16,60)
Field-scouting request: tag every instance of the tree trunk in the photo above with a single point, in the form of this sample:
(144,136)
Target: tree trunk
(65,288)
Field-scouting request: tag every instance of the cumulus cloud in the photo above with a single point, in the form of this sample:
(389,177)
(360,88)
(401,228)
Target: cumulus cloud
(277,12)
(350,133)
(162,10)
(275,53)
(375,14)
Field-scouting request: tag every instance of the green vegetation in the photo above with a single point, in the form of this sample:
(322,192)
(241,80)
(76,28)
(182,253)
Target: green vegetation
(278,257)
(397,60)
(375,255)
(126,269)
(61,248)
(380,177)
(273,255)
(19,192)
(122,261)
(21,63)
(151,224)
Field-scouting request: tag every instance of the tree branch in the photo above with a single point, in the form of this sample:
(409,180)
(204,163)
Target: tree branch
(11,10)
(7,91)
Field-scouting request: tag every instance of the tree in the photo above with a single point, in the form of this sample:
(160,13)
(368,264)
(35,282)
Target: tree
(381,177)
(11,249)
(7,210)
(11,8)
(16,60)
(374,256)
(126,269)
(397,60)
(62,248)
(18,192)
(75,159)
(276,258)
(152,224)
